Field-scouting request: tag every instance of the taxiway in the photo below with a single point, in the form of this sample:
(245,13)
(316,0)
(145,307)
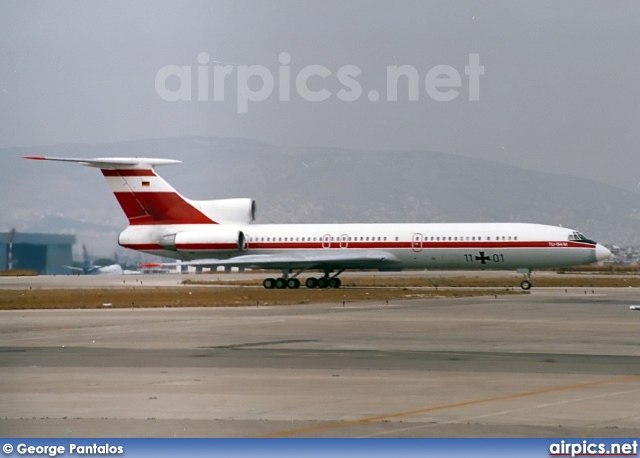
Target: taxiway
(550,363)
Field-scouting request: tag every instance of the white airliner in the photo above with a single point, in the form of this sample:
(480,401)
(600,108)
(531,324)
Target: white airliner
(223,233)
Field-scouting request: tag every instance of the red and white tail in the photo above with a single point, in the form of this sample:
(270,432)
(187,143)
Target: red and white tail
(144,196)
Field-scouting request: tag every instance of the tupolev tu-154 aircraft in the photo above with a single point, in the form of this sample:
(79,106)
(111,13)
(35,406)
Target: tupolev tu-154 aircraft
(212,233)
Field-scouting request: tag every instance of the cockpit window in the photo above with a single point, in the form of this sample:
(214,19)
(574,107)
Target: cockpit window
(577,236)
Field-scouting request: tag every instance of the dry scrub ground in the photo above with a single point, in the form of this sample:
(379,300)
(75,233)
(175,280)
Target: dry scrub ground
(198,296)
(248,292)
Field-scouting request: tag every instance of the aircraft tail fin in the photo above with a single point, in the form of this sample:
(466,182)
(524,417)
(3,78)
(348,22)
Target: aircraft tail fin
(86,261)
(144,196)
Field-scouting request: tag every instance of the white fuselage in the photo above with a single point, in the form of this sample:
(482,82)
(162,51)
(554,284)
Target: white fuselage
(453,245)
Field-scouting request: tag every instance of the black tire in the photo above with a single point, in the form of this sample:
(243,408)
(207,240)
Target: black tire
(311,282)
(526,285)
(323,282)
(269,283)
(293,283)
(334,282)
(281,283)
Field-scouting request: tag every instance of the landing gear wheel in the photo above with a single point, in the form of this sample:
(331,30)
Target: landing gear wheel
(334,282)
(311,282)
(269,283)
(323,282)
(281,283)
(293,283)
(526,285)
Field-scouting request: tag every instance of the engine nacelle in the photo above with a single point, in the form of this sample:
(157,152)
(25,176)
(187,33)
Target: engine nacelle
(216,239)
(227,211)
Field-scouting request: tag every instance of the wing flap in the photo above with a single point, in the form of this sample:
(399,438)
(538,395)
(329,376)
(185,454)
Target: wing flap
(313,260)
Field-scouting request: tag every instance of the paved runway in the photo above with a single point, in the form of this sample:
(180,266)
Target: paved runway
(552,363)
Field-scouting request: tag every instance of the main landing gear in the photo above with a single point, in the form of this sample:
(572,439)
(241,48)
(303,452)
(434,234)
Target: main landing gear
(323,282)
(286,282)
(281,283)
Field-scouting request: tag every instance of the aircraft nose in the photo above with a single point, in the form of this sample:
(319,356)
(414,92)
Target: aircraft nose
(602,252)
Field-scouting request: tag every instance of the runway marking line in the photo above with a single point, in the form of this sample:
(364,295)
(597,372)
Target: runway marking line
(292,432)
(493,414)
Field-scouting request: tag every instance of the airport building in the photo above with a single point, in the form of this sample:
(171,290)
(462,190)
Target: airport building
(47,254)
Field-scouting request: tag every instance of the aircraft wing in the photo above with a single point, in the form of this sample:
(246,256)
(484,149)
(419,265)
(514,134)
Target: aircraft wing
(373,259)
(79,269)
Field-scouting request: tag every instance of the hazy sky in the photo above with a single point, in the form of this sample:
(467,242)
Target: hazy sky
(560,89)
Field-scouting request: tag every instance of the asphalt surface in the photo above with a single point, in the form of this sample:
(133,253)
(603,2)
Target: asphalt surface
(552,363)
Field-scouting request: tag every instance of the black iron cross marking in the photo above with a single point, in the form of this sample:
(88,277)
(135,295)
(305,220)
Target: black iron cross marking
(482,258)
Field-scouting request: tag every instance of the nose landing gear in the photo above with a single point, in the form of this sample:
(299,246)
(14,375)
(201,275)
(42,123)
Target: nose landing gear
(526,283)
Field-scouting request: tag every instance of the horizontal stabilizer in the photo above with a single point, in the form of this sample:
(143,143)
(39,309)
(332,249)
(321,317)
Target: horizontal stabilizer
(111,162)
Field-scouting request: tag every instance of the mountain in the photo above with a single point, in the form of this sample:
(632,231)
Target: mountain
(295,185)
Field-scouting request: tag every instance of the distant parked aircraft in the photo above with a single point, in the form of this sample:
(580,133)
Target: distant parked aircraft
(222,233)
(90,269)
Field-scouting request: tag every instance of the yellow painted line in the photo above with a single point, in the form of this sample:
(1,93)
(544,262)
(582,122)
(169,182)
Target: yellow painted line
(293,432)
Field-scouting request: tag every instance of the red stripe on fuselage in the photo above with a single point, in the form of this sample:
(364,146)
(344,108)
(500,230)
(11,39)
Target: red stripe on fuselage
(423,246)
(143,246)
(382,245)
(207,246)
